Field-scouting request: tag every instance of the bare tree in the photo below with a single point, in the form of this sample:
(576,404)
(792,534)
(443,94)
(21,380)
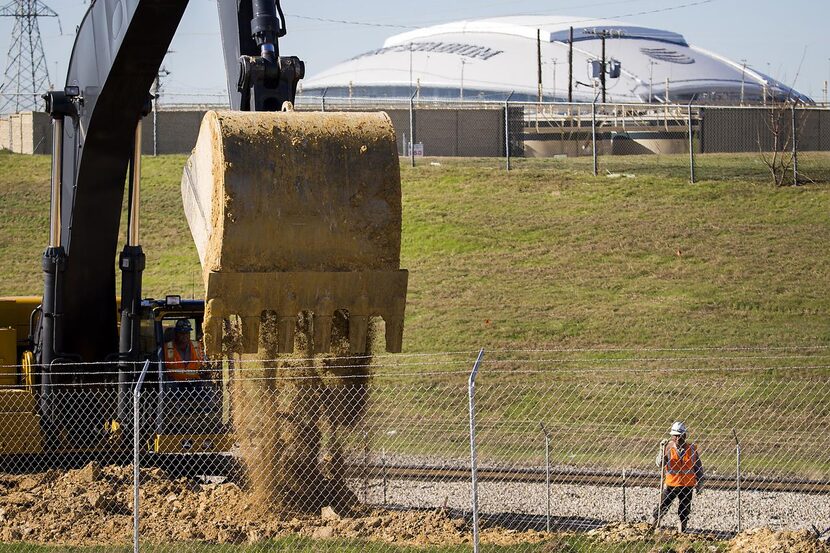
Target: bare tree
(783,128)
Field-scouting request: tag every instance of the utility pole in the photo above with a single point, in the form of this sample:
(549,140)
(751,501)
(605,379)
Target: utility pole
(155,90)
(539,63)
(410,68)
(603,35)
(571,66)
(604,70)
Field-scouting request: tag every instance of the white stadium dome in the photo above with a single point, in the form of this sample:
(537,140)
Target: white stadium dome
(488,59)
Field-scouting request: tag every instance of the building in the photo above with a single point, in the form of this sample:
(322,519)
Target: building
(488,59)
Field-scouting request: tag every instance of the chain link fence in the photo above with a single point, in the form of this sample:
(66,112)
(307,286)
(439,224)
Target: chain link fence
(781,144)
(501,451)
(612,140)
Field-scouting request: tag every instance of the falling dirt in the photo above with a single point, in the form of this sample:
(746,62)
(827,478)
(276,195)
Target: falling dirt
(290,415)
(297,216)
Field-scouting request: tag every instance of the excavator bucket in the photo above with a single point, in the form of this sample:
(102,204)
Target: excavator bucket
(297,212)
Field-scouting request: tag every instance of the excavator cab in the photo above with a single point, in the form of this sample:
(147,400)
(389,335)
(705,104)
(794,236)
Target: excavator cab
(187,394)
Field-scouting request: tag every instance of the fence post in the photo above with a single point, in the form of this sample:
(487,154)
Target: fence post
(323,100)
(547,474)
(691,147)
(385,478)
(471,393)
(795,145)
(507,129)
(594,133)
(155,127)
(624,483)
(412,129)
(738,475)
(365,466)
(136,448)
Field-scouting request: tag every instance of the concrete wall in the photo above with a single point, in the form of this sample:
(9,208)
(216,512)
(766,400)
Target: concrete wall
(26,133)
(450,132)
(176,131)
(743,130)
(453,132)
(36,133)
(5,133)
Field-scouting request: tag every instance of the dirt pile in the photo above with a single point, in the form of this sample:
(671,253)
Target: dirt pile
(763,540)
(91,506)
(664,540)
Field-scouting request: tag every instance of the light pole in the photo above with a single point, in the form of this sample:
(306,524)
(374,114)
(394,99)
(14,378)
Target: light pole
(651,65)
(743,79)
(554,79)
(463,63)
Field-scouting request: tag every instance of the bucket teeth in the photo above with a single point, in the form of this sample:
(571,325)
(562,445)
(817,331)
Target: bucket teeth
(323,316)
(362,294)
(285,332)
(250,334)
(394,326)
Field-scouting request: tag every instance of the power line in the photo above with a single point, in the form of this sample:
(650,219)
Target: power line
(587,20)
(648,12)
(345,22)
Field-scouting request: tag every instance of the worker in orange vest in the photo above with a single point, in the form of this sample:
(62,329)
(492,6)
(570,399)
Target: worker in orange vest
(183,358)
(683,471)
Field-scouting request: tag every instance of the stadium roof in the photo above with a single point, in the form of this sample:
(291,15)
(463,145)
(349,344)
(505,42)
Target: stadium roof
(490,58)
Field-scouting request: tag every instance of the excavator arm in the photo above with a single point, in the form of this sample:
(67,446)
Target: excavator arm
(119,47)
(333,179)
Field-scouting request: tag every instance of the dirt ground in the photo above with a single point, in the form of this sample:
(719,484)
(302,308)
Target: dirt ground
(762,540)
(92,506)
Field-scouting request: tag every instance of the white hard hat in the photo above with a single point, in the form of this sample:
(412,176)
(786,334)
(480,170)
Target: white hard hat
(678,429)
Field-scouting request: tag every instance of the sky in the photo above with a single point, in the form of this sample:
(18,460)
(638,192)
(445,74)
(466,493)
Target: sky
(774,37)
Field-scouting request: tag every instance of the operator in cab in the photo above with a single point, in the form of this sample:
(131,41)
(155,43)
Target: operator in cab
(184,361)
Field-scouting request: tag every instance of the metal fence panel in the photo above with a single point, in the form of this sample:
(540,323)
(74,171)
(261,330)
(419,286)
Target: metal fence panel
(298,453)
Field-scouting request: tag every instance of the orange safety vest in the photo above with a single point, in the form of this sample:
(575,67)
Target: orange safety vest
(179,369)
(680,471)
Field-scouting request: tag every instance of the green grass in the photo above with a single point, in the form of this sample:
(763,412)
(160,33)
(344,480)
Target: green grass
(544,256)
(570,544)
(547,256)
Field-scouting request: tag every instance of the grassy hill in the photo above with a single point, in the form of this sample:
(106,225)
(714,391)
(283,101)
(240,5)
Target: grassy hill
(544,256)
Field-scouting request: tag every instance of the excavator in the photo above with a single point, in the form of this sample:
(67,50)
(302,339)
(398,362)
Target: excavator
(292,213)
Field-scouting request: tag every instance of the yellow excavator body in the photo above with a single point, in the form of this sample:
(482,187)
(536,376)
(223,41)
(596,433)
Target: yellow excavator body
(19,421)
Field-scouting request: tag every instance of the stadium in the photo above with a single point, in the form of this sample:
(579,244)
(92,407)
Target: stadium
(488,59)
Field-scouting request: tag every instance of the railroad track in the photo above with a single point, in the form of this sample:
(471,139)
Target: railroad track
(577,477)
(228,465)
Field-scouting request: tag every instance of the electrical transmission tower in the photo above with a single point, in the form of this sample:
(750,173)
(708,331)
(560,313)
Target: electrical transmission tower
(27,76)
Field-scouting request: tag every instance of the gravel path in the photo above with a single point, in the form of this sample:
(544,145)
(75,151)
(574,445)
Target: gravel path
(594,505)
